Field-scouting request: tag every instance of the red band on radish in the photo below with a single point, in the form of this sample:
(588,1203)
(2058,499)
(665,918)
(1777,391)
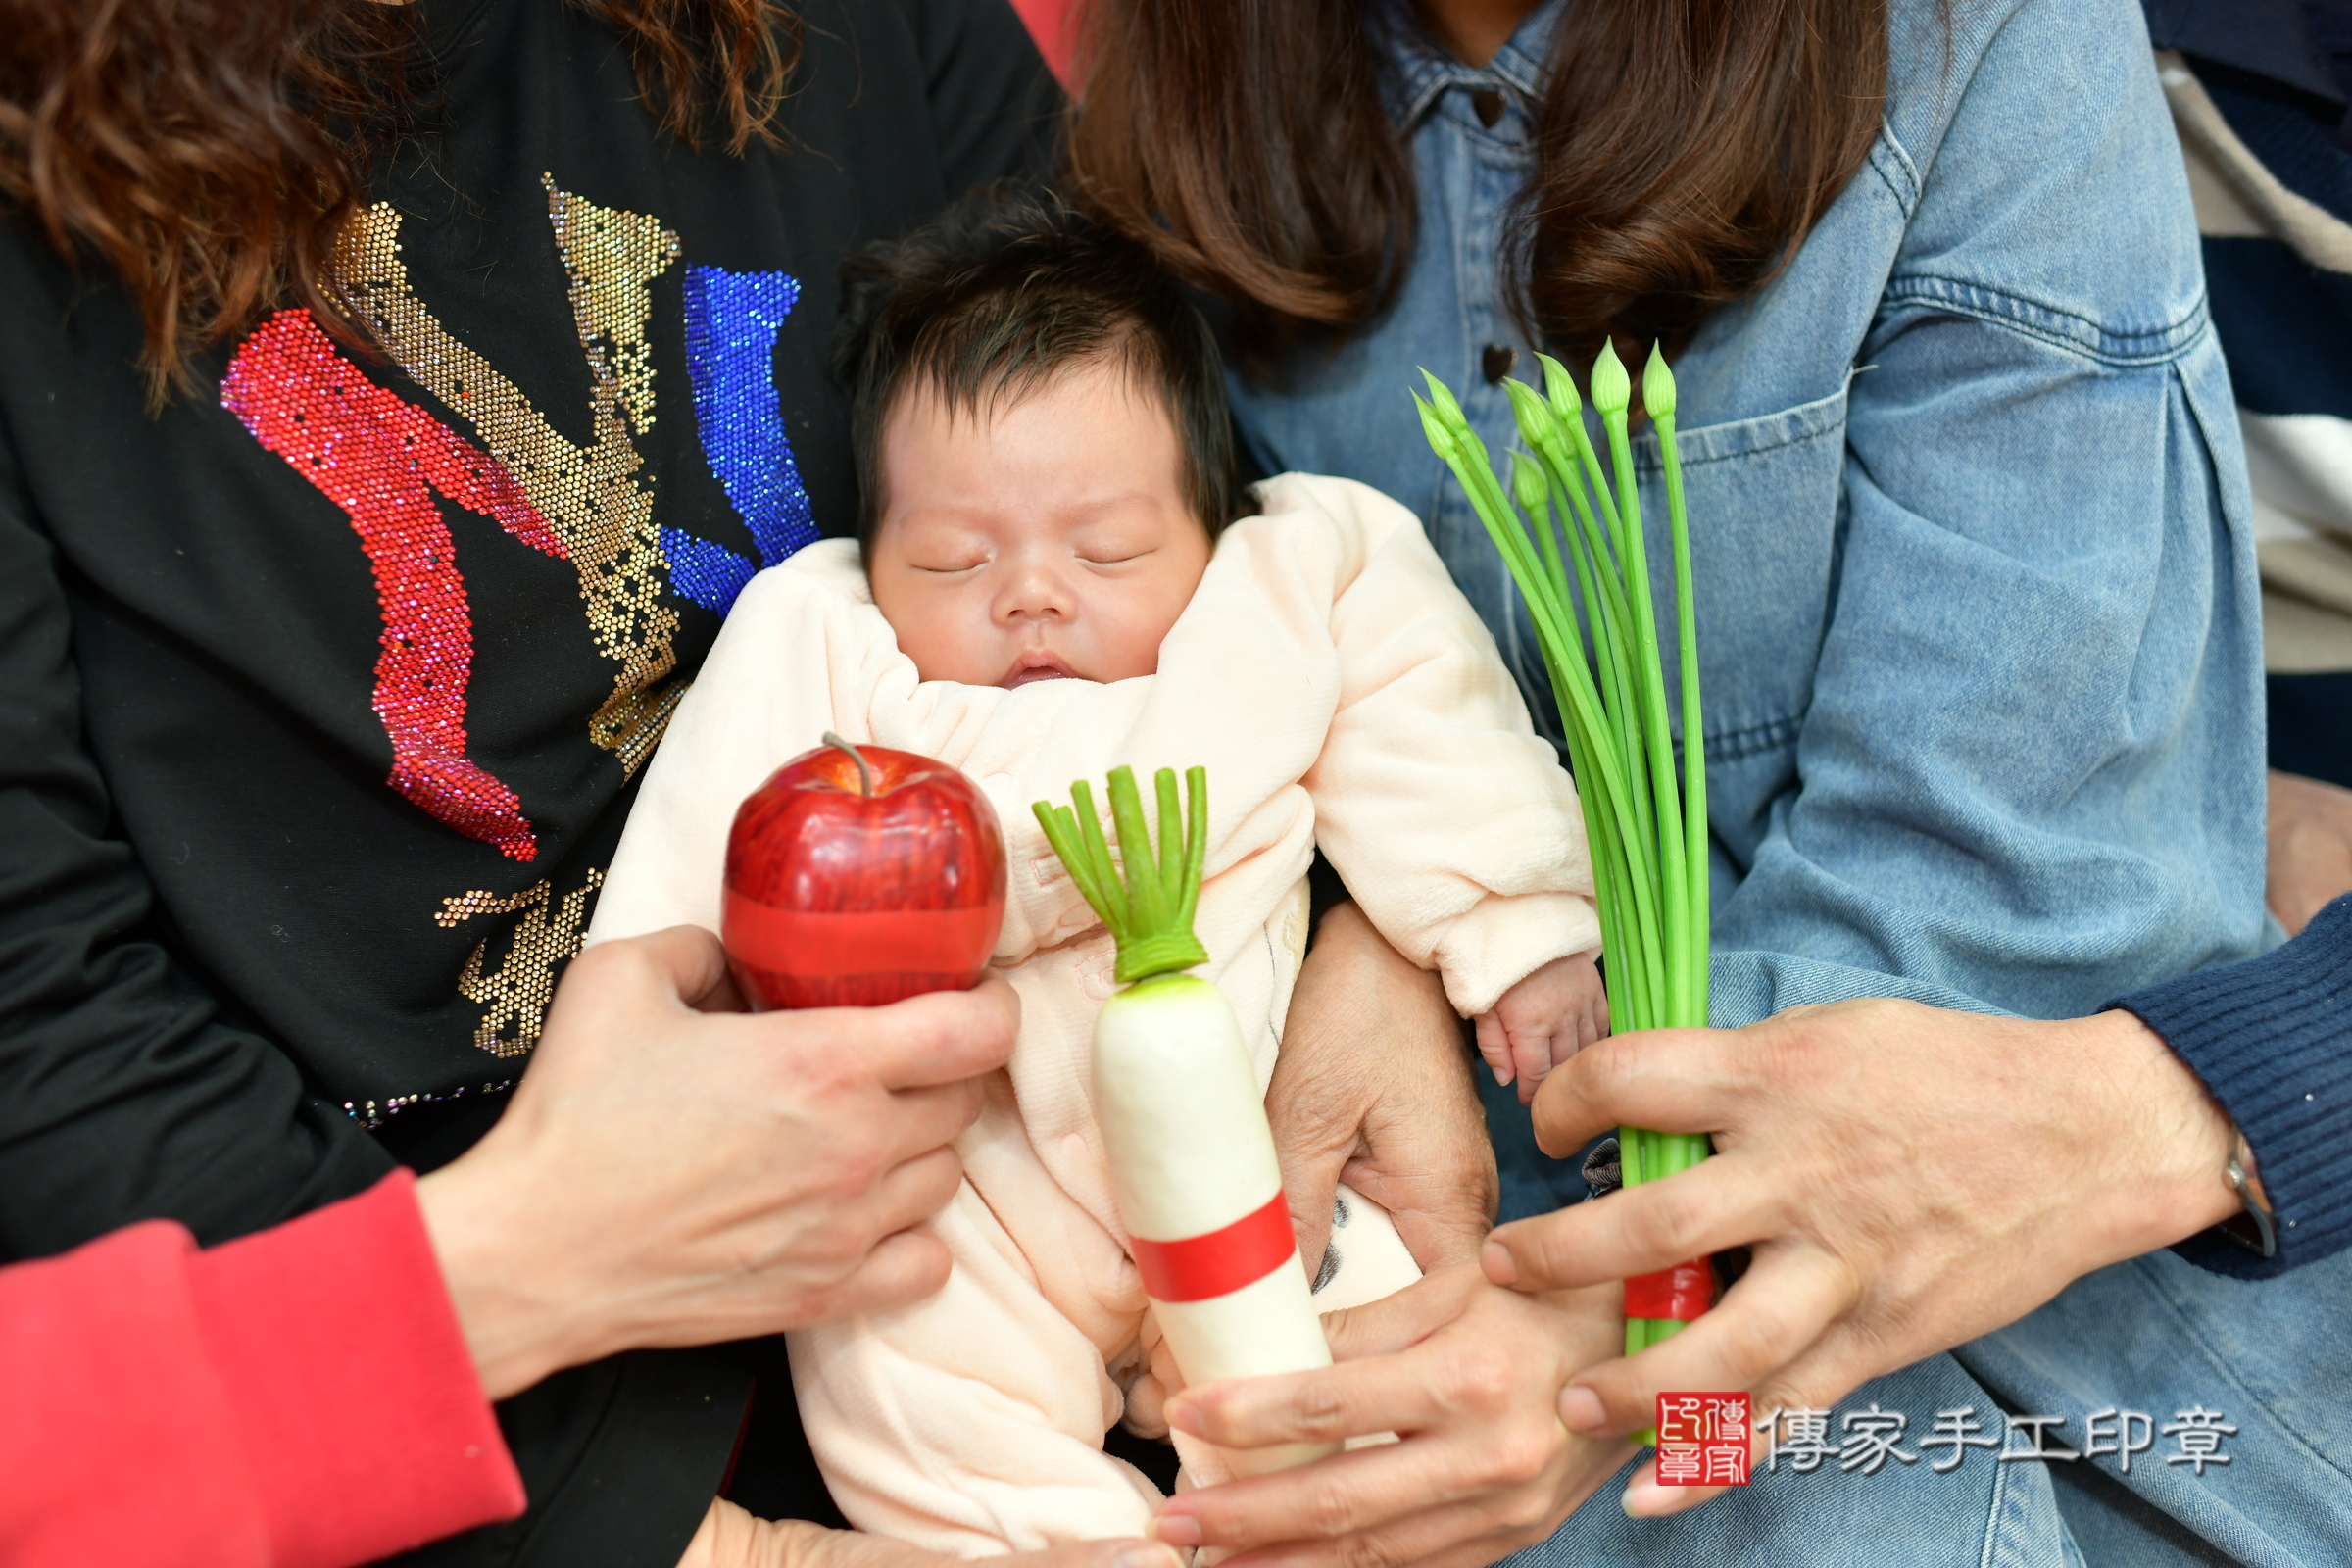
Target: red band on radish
(1682,1294)
(1223,1260)
(803,941)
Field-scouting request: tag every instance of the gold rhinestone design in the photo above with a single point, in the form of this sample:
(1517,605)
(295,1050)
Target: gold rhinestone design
(515,995)
(593,497)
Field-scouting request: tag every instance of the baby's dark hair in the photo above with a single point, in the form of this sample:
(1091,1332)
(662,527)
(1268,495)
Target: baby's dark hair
(1000,293)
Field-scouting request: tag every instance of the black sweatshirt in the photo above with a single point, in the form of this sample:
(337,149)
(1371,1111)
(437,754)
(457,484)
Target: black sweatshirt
(322,690)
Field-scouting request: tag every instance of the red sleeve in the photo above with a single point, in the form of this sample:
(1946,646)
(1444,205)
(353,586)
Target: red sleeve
(300,1398)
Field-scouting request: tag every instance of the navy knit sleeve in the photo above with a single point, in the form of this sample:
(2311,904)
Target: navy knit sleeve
(2272,1038)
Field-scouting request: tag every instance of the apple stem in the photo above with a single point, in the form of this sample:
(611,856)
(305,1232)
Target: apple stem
(865,774)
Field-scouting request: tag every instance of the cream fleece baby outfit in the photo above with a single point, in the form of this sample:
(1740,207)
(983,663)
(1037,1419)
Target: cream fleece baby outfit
(1339,690)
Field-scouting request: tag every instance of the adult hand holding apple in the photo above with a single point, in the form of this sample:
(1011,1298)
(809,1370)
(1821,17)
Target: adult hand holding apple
(671,1172)
(859,875)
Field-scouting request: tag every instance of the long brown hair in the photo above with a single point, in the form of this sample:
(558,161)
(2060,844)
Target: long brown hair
(1683,149)
(211,150)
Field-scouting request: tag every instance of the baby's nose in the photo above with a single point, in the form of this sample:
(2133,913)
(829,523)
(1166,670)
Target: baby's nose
(1036,595)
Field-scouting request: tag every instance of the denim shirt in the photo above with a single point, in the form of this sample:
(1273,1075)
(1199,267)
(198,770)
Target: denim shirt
(1974,579)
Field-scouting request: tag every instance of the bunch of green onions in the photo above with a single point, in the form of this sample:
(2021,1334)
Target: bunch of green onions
(1648,836)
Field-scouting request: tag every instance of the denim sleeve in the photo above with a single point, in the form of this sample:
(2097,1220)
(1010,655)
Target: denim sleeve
(2031,774)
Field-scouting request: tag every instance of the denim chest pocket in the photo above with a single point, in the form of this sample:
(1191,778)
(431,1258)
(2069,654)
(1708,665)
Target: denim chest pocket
(1763,499)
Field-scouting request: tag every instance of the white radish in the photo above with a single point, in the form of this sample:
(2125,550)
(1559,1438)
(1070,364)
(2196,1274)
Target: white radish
(1192,1158)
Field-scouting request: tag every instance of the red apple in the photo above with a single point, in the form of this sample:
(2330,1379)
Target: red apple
(857,875)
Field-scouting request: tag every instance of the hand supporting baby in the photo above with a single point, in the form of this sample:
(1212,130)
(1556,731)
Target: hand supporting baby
(1543,1021)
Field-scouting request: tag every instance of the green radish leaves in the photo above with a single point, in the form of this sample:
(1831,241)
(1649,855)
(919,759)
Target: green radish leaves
(1150,911)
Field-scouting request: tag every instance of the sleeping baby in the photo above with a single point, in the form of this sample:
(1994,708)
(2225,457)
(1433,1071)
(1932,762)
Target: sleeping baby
(1050,582)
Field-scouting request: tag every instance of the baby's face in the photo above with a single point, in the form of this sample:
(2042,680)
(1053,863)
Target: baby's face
(1046,539)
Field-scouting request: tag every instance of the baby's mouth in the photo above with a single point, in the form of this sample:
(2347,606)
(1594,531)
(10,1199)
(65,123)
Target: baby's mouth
(1035,665)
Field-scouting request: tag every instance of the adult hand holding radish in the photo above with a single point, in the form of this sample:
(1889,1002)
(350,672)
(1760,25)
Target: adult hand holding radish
(1470,1375)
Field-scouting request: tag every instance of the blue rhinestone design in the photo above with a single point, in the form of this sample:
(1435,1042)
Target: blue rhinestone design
(732,319)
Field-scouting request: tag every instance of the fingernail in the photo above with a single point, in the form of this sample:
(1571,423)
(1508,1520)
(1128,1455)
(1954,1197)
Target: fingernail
(1177,1530)
(1181,1413)
(1580,1408)
(1145,1554)
(1501,1075)
(1495,1260)
(1644,1498)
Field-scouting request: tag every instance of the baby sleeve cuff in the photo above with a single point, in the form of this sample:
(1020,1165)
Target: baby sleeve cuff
(1500,941)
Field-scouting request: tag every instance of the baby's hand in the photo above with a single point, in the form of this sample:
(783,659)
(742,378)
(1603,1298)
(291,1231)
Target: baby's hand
(1543,1021)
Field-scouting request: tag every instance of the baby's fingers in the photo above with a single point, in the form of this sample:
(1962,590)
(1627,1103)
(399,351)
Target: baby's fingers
(1493,1046)
(1532,1061)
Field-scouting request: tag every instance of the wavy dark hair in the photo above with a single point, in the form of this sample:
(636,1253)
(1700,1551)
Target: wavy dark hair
(211,150)
(1683,150)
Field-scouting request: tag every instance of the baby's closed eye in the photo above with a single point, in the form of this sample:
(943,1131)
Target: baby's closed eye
(948,564)
(1115,545)
(933,541)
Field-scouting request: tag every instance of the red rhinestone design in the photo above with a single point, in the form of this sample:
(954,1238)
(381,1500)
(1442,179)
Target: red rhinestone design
(380,459)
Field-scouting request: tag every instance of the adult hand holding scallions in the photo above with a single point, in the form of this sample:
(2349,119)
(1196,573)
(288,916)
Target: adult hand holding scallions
(1648,831)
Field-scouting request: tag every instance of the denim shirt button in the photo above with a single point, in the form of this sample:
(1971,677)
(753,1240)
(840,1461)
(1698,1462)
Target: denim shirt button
(1497,362)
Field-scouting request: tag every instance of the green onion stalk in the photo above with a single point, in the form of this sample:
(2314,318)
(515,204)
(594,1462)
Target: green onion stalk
(1562,522)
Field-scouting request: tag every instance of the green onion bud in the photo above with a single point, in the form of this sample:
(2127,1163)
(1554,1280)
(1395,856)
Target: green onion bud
(1444,398)
(1537,424)
(1527,483)
(1440,439)
(1561,386)
(1657,386)
(1612,389)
